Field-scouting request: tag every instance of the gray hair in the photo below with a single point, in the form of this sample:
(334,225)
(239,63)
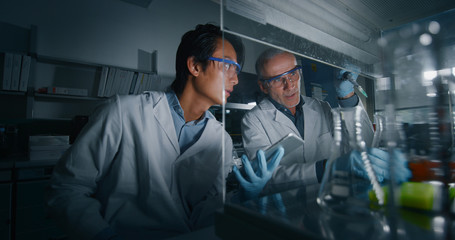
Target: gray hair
(266,56)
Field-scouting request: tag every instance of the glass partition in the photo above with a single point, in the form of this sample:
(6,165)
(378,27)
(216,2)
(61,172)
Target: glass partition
(407,73)
(320,46)
(415,96)
(306,28)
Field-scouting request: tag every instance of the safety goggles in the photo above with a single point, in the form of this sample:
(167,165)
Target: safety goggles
(291,75)
(230,67)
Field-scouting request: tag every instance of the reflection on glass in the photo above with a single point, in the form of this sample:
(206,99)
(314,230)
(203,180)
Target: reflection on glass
(306,28)
(412,101)
(343,191)
(415,98)
(418,66)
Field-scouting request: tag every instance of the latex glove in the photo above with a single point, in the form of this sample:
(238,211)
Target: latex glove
(344,87)
(252,186)
(277,201)
(380,163)
(353,69)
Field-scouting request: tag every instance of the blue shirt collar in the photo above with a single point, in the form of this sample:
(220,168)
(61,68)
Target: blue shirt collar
(174,104)
(285,109)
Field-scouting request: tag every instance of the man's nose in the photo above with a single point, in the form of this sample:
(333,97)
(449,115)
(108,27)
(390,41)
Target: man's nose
(235,79)
(289,83)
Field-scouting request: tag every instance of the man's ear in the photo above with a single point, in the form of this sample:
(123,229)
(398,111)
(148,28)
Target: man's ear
(193,67)
(263,87)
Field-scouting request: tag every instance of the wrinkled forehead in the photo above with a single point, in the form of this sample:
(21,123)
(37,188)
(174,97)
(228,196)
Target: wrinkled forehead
(278,64)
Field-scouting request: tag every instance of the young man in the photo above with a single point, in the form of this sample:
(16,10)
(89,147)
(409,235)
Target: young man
(284,110)
(149,166)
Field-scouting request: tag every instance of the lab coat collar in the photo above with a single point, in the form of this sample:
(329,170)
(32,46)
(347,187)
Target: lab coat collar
(283,108)
(278,116)
(310,116)
(162,114)
(175,104)
(207,138)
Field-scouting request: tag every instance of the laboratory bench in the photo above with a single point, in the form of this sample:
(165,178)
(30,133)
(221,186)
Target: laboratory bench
(287,215)
(23,187)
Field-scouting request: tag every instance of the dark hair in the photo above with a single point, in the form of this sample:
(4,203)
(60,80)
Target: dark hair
(200,43)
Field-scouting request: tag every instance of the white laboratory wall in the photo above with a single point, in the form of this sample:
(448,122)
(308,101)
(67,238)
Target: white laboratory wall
(111,32)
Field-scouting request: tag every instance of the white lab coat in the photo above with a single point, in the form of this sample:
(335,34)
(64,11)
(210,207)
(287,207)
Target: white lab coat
(125,170)
(264,125)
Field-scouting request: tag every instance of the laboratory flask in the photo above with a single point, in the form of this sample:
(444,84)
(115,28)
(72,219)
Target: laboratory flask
(347,182)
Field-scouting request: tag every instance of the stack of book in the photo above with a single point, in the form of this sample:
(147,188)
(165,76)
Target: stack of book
(47,147)
(14,71)
(118,81)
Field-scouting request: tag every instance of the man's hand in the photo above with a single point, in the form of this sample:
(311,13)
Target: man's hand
(252,186)
(343,86)
(380,161)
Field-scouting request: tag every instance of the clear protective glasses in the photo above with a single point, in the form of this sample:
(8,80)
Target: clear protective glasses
(231,68)
(291,75)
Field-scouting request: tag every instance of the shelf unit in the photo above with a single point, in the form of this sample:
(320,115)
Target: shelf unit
(23,184)
(49,71)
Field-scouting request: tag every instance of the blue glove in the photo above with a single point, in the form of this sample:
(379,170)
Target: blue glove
(342,86)
(277,200)
(380,163)
(252,187)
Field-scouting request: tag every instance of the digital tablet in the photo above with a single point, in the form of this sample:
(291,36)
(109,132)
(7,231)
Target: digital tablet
(289,142)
